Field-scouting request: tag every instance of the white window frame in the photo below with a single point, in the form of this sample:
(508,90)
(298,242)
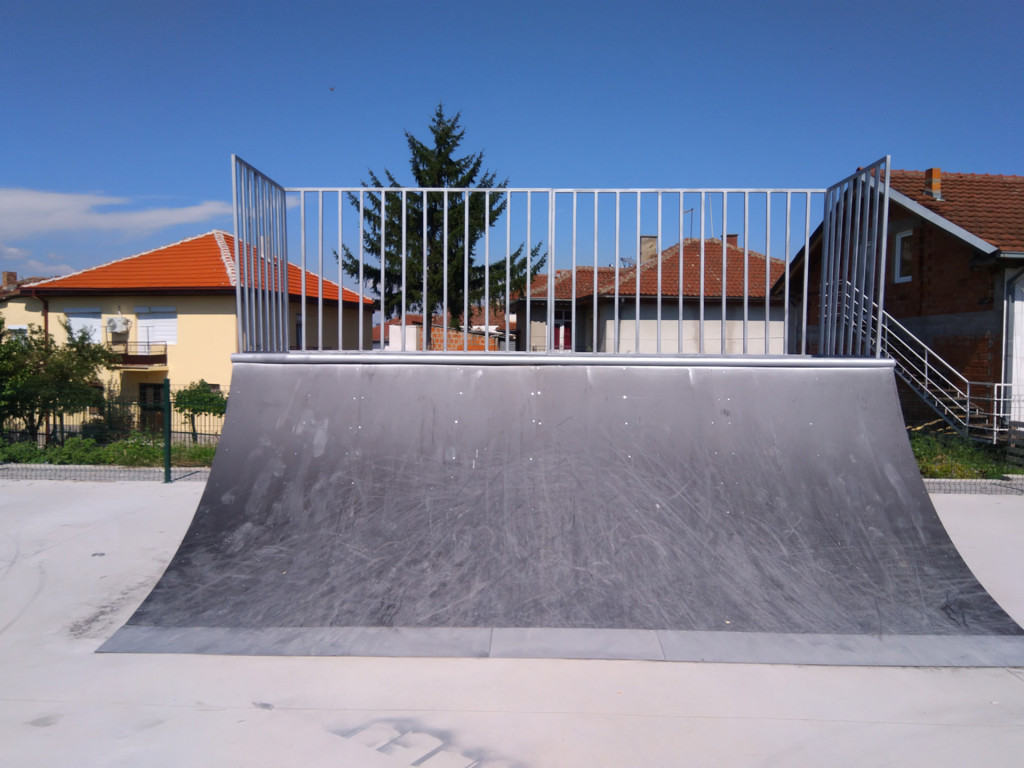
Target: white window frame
(86,317)
(897,275)
(146,316)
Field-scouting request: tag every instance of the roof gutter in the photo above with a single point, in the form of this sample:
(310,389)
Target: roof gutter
(943,223)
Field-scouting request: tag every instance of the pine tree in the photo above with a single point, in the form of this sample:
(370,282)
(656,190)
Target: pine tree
(444,273)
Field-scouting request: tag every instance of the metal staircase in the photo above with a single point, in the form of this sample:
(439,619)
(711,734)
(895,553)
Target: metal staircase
(974,409)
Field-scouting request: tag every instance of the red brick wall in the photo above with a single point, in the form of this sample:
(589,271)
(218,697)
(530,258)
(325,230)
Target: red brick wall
(473,342)
(943,282)
(942,279)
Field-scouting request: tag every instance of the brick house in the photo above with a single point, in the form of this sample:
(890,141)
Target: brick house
(955,270)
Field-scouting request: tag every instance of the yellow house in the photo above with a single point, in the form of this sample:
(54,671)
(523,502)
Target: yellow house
(170,313)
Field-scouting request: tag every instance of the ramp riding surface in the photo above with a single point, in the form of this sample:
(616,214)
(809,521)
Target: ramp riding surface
(723,509)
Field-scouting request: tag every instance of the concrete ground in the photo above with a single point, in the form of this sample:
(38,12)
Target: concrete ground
(77,558)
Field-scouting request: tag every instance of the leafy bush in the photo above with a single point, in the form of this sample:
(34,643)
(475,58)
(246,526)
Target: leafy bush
(192,454)
(21,453)
(76,450)
(139,450)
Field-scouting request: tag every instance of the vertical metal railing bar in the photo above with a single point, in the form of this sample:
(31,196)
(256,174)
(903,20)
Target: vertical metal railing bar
(275,270)
(867,270)
(425,308)
(529,280)
(806,274)
(658,257)
(465,271)
(405,260)
(618,254)
(824,268)
(255,267)
(767,261)
(360,229)
(252,343)
(700,292)
(301,336)
(320,273)
(785,283)
(487,270)
(593,297)
(834,296)
(382,289)
(843,279)
(883,238)
(340,251)
(263,268)
(549,333)
(272,270)
(852,336)
(636,272)
(679,262)
(235,169)
(269,298)
(871,266)
(572,306)
(826,272)
(444,257)
(746,278)
(725,258)
(281,222)
(508,269)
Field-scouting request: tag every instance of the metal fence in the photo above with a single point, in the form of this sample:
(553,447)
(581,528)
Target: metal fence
(116,439)
(619,271)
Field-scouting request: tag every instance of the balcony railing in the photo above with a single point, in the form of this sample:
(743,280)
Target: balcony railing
(140,353)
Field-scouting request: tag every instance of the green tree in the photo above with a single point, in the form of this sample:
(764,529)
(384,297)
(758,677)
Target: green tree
(435,166)
(40,379)
(196,399)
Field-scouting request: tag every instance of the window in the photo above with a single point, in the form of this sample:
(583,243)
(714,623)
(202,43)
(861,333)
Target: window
(904,257)
(85,320)
(157,325)
(562,334)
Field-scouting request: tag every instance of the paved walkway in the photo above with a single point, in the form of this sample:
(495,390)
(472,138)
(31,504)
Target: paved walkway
(77,558)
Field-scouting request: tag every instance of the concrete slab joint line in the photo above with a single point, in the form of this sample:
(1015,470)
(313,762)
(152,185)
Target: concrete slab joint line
(656,509)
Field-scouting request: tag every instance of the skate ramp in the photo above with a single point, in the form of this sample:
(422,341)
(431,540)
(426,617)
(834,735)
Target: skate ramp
(738,509)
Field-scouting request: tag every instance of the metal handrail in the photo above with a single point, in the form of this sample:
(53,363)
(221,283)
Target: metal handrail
(953,396)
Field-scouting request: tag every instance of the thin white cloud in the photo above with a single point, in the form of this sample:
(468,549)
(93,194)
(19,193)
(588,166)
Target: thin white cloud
(30,212)
(45,269)
(10,253)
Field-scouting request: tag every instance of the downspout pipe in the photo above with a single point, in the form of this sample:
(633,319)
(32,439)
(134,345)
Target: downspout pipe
(46,311)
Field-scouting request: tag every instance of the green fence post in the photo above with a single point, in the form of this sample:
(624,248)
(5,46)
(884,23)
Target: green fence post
(167,429)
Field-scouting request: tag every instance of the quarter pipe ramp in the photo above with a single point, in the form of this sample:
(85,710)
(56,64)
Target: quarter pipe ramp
(735,509)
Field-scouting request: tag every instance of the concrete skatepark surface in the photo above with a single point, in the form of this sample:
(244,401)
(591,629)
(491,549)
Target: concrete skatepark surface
(644,508)
(76,559)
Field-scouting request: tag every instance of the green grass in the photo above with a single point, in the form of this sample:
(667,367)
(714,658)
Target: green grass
(948,455)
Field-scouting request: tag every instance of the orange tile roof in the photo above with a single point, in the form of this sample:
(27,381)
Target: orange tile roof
(670,275)
(991,207)
(734,265)
(201,264)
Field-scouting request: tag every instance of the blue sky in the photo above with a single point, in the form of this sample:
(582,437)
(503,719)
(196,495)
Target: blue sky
(118,119)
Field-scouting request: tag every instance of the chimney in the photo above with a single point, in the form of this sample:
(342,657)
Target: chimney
(648,247)
(733,240)
(9,279)
(933,183)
